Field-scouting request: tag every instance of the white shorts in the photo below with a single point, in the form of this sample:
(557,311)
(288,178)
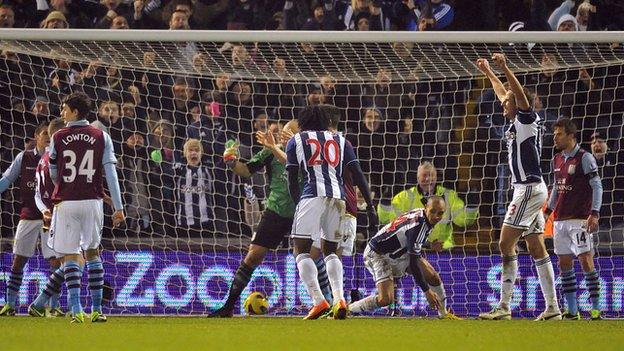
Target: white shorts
(525,210)
(76,226)
(349,227)
(382,267)
(319,217)
(571,237)
(26,236)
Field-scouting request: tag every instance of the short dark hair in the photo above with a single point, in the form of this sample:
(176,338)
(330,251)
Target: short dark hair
(79,102)
(313,118)
(333,114)
(567,125)
(40,128)
(55,125)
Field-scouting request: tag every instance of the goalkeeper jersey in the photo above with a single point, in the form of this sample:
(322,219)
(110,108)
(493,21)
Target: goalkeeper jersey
(279,200)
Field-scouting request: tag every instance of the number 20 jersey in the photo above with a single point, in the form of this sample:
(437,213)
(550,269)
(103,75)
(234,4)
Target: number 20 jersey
(78,151)
(321,156)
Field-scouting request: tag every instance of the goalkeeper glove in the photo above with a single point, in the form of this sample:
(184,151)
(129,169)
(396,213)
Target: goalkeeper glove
(230,155)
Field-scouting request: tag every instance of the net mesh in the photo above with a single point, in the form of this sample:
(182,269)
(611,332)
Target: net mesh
(401,104)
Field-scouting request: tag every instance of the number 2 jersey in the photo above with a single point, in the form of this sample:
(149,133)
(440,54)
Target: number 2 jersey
(322,157)
(406,234)
(79,152)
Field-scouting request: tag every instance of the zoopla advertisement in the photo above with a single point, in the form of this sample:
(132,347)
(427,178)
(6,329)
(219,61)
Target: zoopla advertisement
(180,283)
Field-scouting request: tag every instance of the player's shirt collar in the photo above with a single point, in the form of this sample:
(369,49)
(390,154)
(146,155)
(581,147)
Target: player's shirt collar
(571,154)
(82,122)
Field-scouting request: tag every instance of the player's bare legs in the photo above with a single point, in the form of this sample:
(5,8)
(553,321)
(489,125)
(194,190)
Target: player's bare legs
(309,274)
(546,275)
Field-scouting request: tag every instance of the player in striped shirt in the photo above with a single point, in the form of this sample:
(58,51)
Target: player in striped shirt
(321,156)
(524,218)
(397,247)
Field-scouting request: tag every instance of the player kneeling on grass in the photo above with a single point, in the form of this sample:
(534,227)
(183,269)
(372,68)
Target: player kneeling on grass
(395,249)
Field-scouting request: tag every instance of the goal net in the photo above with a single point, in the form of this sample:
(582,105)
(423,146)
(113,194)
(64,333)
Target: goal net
(404,99)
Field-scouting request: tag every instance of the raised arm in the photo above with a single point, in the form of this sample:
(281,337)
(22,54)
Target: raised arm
(522,101)
(497,85)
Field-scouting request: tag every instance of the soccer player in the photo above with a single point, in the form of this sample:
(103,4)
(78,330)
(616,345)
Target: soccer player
(79,153)
(394,249)
(524,217)
(276,220)
(575,198)
(349,221)
(29,228)
(321,155)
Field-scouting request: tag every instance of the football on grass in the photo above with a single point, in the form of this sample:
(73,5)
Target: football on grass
(256,303)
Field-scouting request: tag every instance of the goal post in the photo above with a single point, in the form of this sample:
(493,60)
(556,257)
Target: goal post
(404,98)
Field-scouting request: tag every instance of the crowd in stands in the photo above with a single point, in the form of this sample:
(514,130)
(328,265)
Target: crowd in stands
(161,123)
(361,15)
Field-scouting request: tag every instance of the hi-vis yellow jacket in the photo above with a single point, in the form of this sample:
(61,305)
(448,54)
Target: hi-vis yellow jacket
(456,212)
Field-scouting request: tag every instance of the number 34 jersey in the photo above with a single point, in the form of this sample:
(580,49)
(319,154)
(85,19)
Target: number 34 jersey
(322,157)
(80,151)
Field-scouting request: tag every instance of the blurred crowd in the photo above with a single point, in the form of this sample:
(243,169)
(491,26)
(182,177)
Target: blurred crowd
(360,15)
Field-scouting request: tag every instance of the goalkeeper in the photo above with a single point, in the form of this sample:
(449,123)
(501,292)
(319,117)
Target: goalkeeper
(276,221)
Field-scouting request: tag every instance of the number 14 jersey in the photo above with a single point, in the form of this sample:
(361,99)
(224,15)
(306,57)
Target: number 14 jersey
(321,156)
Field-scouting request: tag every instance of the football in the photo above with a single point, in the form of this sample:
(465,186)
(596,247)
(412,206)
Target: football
(256,304)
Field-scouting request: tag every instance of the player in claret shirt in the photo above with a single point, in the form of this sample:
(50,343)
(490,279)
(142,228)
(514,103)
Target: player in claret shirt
(79,155)
(29,228)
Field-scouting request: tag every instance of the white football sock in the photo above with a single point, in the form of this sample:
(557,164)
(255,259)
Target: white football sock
(309,274)
(508,279)
(367,304)
(546,275)
(439,290)
(335,272)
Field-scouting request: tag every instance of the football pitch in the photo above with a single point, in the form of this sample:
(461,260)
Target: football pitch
(266,333)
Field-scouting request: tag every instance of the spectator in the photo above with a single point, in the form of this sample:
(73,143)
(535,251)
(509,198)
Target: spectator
(424,14)
(324,17)
(582,14)
(606,15)
(567,23)
(135,182)
(54,20)
(179,21)
(71,10)
(108,11)
(160,165)
(7,17)
(208,128)
(612,212)
(361,10)
(456,212)
(119,22)
(194,191)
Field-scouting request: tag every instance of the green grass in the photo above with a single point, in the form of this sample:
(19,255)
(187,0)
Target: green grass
(382,334)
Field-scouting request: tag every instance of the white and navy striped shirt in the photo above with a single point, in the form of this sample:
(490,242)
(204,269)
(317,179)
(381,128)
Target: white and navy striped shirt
(406,234)
(321,156)
(524,147)
(195,192)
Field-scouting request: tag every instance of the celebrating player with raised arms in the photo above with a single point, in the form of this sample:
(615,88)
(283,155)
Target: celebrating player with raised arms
(321,155)
(394,249)
(79,155)
(524,217)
